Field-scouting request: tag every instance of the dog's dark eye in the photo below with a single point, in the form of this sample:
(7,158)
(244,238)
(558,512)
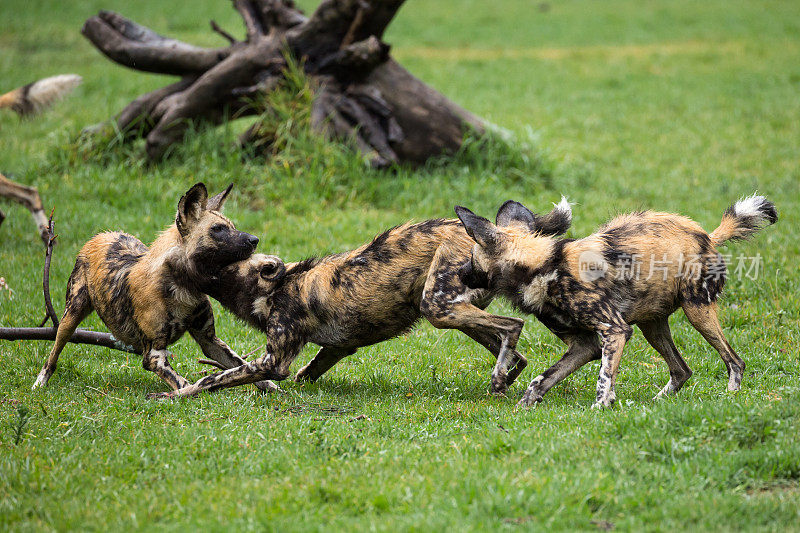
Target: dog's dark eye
(218,230)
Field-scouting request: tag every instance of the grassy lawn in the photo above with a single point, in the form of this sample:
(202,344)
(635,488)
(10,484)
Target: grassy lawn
(679,106)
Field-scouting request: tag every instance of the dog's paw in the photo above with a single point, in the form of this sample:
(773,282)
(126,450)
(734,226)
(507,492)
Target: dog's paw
(160,395)
(305,375)
(499,388)
(268,386)
(600,405)
(529,401)
(41,379)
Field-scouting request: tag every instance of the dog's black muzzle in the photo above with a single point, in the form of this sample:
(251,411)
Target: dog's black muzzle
(246,244)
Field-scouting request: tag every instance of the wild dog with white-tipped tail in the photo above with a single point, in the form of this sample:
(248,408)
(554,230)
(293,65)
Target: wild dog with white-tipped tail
(637,269)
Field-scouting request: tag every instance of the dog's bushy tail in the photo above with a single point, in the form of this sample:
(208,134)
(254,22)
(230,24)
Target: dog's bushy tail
(744,218)
(35,97)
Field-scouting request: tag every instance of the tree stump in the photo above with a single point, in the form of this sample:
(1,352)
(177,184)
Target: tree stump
(361,93)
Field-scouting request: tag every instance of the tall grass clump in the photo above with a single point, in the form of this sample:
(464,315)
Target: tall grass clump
(288,165)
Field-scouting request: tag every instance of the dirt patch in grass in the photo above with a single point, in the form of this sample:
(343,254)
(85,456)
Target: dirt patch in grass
(776,488)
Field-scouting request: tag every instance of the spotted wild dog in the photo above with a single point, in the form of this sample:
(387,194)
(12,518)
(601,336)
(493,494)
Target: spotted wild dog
(27,196)
(149,297)
(354,299)
(636,269)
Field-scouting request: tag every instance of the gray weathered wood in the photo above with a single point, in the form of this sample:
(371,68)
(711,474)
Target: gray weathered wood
(362,94)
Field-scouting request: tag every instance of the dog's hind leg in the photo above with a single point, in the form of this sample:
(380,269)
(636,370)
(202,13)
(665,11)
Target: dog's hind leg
(204,333)
(78,307)
(704,319)
(519,363)
(447,304)
(658,335)
(582,348)
(326,357)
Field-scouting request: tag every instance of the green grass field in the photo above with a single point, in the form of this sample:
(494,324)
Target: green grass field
(679,106)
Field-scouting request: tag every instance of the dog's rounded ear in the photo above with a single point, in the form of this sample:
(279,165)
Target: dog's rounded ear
(215,203)
(554,223)
(557,221)
(191,206)
(480,229)
(272,268)
(513,212)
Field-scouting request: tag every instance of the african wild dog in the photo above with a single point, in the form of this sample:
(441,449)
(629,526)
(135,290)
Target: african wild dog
(604,283)
(378,291)
(27,196)
(149,297)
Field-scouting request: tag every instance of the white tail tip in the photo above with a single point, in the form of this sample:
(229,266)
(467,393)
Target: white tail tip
(564,206)
(45,92)
(750,206)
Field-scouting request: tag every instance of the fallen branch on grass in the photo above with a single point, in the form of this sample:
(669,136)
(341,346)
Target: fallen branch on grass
(42,333)
(360,92)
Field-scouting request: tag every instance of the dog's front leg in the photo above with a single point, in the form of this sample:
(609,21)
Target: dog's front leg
(582,348)
(326,357)
(614,337)
(204,333)
(157,361)
(251,372)
(281,350)
(447,304)
(215,349)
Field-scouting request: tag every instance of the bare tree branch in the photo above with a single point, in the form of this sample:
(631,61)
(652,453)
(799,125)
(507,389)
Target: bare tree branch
(355,60)
(213,88)
(230,38)
(358,21)
(81,336)
(48,254)
(140,48)
(279,14)
(252,22)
